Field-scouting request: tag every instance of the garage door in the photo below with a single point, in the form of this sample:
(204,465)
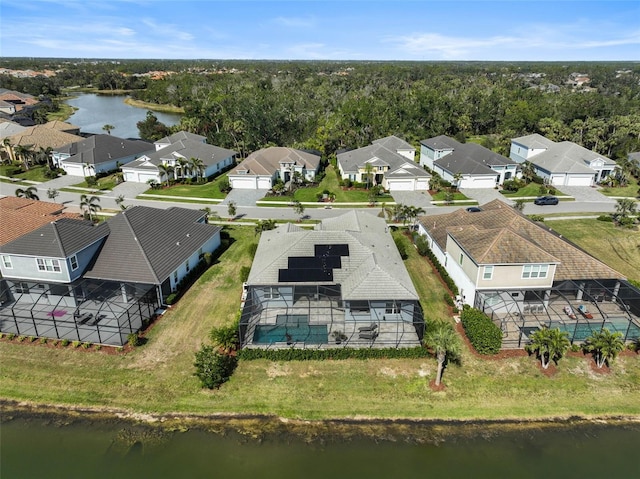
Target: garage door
(264,183)
(242,183)
(401,185)
(73,169)
(129,176)
(579,181)
(478,182)
(422,185)
(144,177)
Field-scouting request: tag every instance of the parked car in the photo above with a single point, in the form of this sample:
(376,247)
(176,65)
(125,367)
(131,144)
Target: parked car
(474,209)
(546,200)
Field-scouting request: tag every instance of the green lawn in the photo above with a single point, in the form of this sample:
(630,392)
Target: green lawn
(35,173)
(457,196)
(532,189)
(617,247)
(158,377)
(630,191)
(104,183)
(329,182)
(204,190)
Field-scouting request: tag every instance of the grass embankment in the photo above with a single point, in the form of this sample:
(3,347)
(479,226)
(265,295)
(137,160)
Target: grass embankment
(617,247)
(154,106)
(158,377)
(35,173)
(63,113)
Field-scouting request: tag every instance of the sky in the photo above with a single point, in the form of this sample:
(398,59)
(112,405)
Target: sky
(508,30)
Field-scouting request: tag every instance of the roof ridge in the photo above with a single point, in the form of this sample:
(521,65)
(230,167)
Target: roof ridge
(58,238)
(137,241)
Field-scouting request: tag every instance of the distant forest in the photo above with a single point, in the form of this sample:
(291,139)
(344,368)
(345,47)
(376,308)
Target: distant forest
(328,105)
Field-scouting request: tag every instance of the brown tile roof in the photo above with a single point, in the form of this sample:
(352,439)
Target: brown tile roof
(500,235)
(20,216)
(41,136)
(61,126)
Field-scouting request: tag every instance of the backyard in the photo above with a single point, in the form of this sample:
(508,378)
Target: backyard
(158,376)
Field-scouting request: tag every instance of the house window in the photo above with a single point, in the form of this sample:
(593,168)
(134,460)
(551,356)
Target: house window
(6,261)
(22,288)
(50,265)
(392,308)
(175,277)
(200,253)
(186,266)
(533,271)
(488,272)
(359,307)
(74,263)
(271,292)
(461,258)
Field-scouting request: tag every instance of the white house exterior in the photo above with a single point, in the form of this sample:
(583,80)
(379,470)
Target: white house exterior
(476,166)
(262,168)
(561,163)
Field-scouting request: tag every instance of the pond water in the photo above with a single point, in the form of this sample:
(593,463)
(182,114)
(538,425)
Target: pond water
(95,111)
(38,448)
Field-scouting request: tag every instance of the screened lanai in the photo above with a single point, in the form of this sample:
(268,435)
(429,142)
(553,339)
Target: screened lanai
(578,308)
(94,311)
(316,317)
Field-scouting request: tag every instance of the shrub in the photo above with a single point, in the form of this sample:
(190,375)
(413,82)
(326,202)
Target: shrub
(402,248)
(253,247)
(485,336)
(244,273)
(21,338)
(538,180)
(133,340)
(422,245)
(226,337)
(605,218)
(10,336)
(536,218)
(171,299)
(31,339)
(85,345)
(575,348)
(291,354)
(97,347)
(208,258)
(212,368)
(1,335)
(76,344)
(441,271)
(64,343)
(43,340)
(448,299)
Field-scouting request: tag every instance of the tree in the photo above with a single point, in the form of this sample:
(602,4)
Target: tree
(91,205)
(368,173)
(226,337)
(182,166)
(197,165)
(298,208)
(518,205)
(548,344)
(108,128)
(232,209)
(165,170)
(25,154)
(264,225)
(151,129)
(625,207)
(52,193)
(212,368)
(457,178)
(29,193)
(528,171)
(119,201)
(6,145)
(604,346)
(445,343)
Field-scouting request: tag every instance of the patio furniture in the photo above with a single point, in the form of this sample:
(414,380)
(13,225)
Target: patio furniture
(83,318)
(569,312)
(372,327)
(371,336)
(582,309)
(96,320)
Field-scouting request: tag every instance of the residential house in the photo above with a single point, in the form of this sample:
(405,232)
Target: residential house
(388,162)
(17,99)
(467,165)
(341,284)
(561,163)
(262,168)
(98,154)
(524,276)
(176,152)
(43,136)
(74,280)
(10,128)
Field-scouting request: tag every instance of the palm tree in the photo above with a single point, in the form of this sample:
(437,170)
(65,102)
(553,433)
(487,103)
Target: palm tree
(120,202)
(625,207)
(52,193)
(183,165)
(90,204)
(165,170)
(445,343)
(604,345)
(528,171)
(548,344)
(298,208)
(29,193)
(6,144)
(457,178)
(43,155)
(24,152)
(108,128)
(197,165)
(232,209)
(368,173)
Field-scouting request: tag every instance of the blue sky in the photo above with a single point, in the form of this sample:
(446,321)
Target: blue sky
(332,30)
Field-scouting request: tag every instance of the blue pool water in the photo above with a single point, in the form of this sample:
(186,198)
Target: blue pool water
(297,328)
(579,331)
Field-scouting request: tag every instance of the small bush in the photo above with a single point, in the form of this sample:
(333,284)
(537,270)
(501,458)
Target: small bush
(97,347)
(253,247)
(85,345)
(21,338)
(31,339)
(10,336)
(43,340)
(76,344)
(538,218)
(133,340)
(605,218)
(485,336)
(244,273)
(208,259)
(291,354)
(1,335)
(448,299)
(441,271)
(402,248)
(212,368)
(575,348)
(64,343)
(171,299)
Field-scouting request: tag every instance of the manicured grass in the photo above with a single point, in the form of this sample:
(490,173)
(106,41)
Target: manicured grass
(35,173)
(204,190)
(105,183)
(329,182)
(158,377)
(532,189)
(630,191)
(442,196)
(617,247)
(154,106)
(63,113)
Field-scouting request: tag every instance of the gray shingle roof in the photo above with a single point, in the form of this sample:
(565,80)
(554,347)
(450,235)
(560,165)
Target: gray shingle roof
(441,142)
(568,157)
(377,155)
(267,160)
(373,269)
(59,239)
(179,136)
(98,149)
(472,159)
(147,244)
(535,141)
(394,143)
(186,149)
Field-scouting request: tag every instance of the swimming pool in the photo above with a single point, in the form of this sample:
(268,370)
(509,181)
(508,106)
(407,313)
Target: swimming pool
(581,330)
(291,328)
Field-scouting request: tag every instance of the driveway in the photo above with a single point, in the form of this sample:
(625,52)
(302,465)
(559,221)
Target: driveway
(485,195)
(129,189)
(419,199)
(243,197)
(586,194)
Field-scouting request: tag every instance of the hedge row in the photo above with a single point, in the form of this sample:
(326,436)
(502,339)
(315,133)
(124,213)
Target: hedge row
(424,250)
(485,336)
(291,354)
(191,276)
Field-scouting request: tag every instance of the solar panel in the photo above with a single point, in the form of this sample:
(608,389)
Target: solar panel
(305,269)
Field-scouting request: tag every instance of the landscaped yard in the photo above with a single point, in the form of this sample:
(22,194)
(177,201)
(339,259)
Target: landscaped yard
(457,196)
(105,183)
(35,173)
(158,377)
(204,190)
(617,247)
(530,190)
(630,191)
(329,182)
